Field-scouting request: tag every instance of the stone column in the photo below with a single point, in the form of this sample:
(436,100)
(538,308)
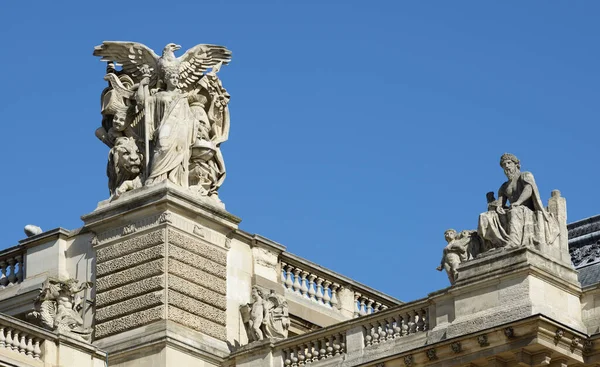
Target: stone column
(161,278)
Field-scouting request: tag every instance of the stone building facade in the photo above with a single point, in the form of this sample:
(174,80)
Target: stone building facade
(160,274)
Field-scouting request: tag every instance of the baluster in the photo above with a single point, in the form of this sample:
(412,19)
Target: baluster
(295,357)
(297,286)
(2,338)
(319,290)
(363,307)
(382,330)
(315,350)
(19,259)
(8,338)
(356,304)
(3,277)
(343,343)
(311,287)
(377,306)
(404,325)
(375,332)
(283,273)
(390,328)
(23,345)
(425,317)
(412,325)
(308,354)
(301,356)
(336,345)
(15,341)
(29,347)
(397,326)
(326,296)
(369,308)
(288,358)
(289,283)
(323,350)
(329,346)
(303,281)
(37,352)
(334,301)
(11,276)
(420,322)
(368,335)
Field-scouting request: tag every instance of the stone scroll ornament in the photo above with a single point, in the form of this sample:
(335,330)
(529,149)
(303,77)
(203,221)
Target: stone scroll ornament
(164,117)
(267,316)
(516,219)
(58,307)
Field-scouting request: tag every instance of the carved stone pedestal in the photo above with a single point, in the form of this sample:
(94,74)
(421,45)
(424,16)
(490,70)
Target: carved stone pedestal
(508,285)
(161,269)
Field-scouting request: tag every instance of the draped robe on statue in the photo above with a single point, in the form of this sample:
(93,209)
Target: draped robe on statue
(175,126)
(528,224)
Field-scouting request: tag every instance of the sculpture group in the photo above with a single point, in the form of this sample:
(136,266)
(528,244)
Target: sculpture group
(58,307)
(163,117)
(517,218)
(267,316)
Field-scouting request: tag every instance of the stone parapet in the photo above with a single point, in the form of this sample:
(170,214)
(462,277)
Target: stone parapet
(508,306)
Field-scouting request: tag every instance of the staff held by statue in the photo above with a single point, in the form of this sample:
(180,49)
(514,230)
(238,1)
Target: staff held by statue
(143,94)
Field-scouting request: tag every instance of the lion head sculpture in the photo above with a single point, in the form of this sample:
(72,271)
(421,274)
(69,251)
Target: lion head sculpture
(124,166)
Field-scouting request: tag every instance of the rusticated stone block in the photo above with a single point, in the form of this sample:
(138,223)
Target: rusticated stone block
(197,323)
(197,308)
(128,322)
(197,292)
(129,306)
(130,290)
(210,252)
(197,261)
(129,260)
(197,276)
(146,270)
(131,245)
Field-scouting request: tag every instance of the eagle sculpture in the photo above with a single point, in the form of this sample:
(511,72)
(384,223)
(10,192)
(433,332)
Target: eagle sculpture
(139,61)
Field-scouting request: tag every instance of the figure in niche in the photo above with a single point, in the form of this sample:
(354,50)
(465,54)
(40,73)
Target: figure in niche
(525,222)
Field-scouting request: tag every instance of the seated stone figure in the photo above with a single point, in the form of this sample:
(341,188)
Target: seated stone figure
(525,222)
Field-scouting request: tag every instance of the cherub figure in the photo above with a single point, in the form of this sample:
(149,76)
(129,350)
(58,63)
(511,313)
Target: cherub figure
(461,246)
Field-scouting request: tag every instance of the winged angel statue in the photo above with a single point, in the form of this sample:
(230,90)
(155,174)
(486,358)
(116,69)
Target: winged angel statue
(164,117)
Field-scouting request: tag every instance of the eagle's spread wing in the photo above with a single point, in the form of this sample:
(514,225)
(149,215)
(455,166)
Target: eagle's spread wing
(196,60)
(132,56)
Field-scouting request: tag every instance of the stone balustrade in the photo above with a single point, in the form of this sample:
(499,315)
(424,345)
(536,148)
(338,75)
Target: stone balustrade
(310,281)
(11,266)
(316,349)
(411,319)
(355,334)
(20,338)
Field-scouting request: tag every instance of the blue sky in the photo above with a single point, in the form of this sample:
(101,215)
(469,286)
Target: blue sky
(359,133)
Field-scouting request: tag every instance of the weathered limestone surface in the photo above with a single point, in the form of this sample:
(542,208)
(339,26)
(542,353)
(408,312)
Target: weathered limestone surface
(162,259)
(170,109)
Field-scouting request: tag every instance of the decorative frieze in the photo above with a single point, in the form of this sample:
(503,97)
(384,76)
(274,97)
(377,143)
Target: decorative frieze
(159,221)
